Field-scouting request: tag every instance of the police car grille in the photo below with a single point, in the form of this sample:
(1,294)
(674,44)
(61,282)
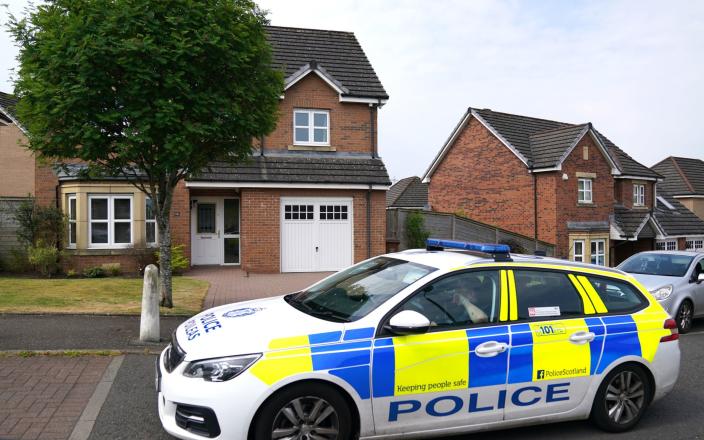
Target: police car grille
(174,355)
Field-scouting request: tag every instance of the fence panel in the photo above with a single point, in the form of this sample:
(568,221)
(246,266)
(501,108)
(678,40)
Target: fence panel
(8,224)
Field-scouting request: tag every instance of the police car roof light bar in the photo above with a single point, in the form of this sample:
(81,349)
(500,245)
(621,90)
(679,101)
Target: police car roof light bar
(500,251)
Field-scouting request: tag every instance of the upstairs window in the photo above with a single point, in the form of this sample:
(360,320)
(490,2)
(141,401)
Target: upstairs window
(311,127)
(638,195)
(584,191)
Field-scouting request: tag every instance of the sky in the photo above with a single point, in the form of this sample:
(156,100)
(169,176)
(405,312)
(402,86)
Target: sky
(633,68)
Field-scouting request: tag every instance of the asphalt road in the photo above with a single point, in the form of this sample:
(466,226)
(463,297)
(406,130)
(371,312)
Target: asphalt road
(130,409)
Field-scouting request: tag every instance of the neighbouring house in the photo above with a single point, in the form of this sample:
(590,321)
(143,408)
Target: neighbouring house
(565,184)
(408,193)
(684,180)
(311,197)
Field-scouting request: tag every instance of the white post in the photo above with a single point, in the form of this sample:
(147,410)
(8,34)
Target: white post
(149,324)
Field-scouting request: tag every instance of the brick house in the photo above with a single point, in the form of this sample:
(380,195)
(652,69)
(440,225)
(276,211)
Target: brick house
(684,180)
(17,164)
(408,193)
(311,197)
(566,184)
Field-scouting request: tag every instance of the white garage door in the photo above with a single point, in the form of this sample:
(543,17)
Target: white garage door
(316,234)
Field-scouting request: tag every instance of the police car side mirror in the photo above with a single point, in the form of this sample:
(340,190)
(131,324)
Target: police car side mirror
(408,322)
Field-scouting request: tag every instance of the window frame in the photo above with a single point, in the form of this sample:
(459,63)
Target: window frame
(574,251)
(583,192)
(592,254)
(311,127)
(565,273)
(694,240)
(110,221)
(638,194)
(666,244)
(148,221)
(71,211)
(644,302)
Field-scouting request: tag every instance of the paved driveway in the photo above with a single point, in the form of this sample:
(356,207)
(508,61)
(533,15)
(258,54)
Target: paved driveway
(229,284)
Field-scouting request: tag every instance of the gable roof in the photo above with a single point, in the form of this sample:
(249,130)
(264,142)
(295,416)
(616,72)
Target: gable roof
(683,175)
(337,54)
(674,218)
(629,222)
(408,193)
(543,143)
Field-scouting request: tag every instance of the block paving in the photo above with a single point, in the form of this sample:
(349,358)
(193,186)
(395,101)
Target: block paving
(42,397)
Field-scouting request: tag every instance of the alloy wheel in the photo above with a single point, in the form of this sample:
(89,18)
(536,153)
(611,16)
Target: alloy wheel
(306,418)
(684,316)
(625,397)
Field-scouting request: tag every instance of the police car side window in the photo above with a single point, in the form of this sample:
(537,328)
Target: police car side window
(459,300)
(543,294)
(617,296)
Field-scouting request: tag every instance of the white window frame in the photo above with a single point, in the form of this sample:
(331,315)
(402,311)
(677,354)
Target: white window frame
(148,221)
(579,257)
(638,194)
(583,192)
(311,127)
(666,245)
(111,221)
(595,255)
(72,221)
(694,243)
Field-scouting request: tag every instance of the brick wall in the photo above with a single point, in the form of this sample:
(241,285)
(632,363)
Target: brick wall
(349,122)
(45,183)
(623,192)
(181,218)
(260,224)
(486,181)
(547,205)
(129,264)
(16,163)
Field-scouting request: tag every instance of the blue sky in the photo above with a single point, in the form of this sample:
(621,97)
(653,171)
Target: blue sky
(633,68)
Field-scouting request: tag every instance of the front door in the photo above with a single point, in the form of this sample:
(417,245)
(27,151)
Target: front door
(216,231)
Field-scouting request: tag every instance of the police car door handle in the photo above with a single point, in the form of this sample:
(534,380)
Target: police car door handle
(490,349)
(581,337)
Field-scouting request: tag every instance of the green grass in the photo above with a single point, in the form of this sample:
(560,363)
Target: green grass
(118,296)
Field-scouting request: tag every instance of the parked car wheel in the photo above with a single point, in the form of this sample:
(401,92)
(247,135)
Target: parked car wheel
(306,411)
(621,399)
(684,316)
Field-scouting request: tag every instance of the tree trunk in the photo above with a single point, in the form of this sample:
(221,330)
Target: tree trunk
(165,264)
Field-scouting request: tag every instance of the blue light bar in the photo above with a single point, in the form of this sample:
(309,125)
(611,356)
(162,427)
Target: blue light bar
(468,246)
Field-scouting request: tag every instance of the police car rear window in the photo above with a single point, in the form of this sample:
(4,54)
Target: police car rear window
(617,296)
(353,293)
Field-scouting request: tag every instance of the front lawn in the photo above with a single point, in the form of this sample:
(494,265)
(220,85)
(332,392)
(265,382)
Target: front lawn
(118,296)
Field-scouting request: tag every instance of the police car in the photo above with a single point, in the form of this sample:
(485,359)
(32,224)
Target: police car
(460,337)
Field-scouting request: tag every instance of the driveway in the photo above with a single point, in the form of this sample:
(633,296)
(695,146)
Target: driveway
(230,284)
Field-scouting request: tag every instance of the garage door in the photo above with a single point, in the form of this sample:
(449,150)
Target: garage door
(316,234)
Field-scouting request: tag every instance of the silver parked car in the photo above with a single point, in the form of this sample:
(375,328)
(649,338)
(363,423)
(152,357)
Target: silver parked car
(676,280)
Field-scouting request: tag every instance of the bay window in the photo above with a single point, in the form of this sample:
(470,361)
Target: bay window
(598,254)
(72,232)
(150,222)
(109,220)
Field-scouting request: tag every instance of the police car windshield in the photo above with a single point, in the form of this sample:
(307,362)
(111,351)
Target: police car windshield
(353,293)
(667,265)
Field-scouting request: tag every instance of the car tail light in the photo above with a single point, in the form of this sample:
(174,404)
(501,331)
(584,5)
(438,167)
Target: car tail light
(674,335)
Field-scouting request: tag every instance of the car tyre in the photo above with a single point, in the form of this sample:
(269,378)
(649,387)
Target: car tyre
(304,411)
(684,316)
(622,398)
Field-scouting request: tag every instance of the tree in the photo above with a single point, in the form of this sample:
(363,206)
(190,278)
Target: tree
(148,90)
(416,234)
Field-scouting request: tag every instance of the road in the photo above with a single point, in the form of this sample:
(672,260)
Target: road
(130,409)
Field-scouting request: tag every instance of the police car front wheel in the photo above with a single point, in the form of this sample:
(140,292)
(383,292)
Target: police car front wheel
(622,399)
(306,411)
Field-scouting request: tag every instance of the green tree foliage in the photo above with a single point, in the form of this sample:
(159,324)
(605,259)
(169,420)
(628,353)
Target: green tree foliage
(416,235)
(151,90)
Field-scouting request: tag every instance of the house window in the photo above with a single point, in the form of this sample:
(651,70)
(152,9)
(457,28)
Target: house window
(333,212)
(584,191)
(298,212)
(110,220)
(694,244)
(598,254)
(638,195)
(578,251)
(150,221)
(311,127)
(666,245)
(72,221)
(205,220)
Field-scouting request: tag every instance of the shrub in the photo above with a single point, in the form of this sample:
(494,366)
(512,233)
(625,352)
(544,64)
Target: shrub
(416,235)
(94,272)
(40,224)
(179,262)
(45,259)
(17,261)
(143,256)
(71,273)
(112,269)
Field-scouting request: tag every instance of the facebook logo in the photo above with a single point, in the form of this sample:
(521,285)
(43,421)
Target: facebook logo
(541,374)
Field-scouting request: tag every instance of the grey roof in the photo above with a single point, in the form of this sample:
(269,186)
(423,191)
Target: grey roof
(299,169)
(588,226)
(630,221)
(683,175)
(677,221)
(7,106)
(544,142)
(338,53)
(408,193)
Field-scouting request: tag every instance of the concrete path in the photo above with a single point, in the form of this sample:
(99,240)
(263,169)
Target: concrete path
(230,284)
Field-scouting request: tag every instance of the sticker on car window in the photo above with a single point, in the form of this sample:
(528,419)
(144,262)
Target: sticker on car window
(538,312)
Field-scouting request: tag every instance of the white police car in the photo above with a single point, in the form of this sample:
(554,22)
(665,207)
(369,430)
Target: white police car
(423,343)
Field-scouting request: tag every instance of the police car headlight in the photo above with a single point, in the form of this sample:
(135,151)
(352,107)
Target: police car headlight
(220,369)
(662,293)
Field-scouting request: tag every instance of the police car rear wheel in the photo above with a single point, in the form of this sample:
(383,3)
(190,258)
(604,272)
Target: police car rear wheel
(621,399)
(309,411)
